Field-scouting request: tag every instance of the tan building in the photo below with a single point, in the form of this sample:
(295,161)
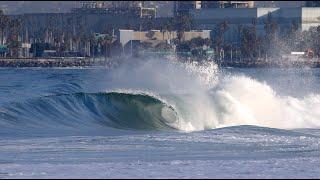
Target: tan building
(156,36)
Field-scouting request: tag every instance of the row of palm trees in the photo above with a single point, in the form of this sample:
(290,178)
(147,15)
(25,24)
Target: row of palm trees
(73,36)
(9,34)
(274,44)
(63,38)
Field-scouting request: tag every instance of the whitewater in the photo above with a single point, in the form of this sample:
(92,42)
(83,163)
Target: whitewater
(159,118)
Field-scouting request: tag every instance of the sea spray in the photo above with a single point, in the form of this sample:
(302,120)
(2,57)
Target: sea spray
(241,100)
(161,76)
(206,98)
(182,85)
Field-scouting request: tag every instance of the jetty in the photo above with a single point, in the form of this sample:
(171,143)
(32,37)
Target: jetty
(53,62)
(110,62)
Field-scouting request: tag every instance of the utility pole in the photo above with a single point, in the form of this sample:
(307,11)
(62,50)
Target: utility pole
(131,42)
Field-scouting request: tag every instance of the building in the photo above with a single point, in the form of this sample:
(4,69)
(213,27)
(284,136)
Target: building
(209,18)
(98,16)
(155,37)
(126,36)
(312,4)
(116,8)
(227,4)
(184,7)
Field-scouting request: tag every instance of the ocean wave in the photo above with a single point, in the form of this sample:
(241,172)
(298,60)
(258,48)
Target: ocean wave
(160,95)
(82,110)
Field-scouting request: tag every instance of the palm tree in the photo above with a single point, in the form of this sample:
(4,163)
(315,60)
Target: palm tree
(183,23)
(93,43)
(147,24)
(219,31)
(4,22)
(14,44)
(247,43)
(85,41)
(271,29)
(291,37)
(107,41)
(168,27)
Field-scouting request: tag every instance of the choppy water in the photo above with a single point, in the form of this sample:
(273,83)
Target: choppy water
(159,119)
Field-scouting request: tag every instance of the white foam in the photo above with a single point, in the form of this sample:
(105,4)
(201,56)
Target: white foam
(244,101)
(202,101)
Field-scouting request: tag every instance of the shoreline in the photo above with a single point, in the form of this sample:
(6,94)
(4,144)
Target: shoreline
(102,62)
(270,64)
(50,62)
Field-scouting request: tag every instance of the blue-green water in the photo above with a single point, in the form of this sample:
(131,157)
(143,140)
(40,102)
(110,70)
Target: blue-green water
(154,121)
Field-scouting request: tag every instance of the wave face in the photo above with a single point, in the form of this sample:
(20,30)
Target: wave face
(163,95)
(85,110)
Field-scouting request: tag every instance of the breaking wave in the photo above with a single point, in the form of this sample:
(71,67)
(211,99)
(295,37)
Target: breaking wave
(80,110)
(161,95)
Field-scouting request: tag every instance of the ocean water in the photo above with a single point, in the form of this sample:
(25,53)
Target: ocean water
(159,119)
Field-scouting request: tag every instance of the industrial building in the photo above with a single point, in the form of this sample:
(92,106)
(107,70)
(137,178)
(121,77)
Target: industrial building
(208,14)
(304,17)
